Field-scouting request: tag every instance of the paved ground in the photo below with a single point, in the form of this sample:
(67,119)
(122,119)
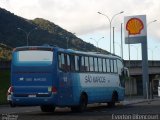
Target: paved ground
(124,110)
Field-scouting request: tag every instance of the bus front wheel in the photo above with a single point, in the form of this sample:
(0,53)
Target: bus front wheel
(47,108)
(113,101)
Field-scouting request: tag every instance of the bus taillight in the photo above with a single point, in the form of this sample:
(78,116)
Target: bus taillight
(54,90)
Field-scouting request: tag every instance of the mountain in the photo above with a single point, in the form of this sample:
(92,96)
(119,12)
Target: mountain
(14,30)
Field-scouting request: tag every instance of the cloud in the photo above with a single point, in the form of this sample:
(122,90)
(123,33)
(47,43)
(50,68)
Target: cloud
(80,16)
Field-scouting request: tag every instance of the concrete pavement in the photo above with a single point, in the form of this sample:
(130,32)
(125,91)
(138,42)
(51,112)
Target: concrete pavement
(128,101)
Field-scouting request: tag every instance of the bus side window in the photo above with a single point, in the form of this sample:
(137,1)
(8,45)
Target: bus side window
(86,64)
(59,61)
(91,64)
(104,65)
(82,65)
(112,66)
(120,67)
(95,65)
(100,64)
(76,63)
(115,66)
(68,64)
(108,65)
(72,59)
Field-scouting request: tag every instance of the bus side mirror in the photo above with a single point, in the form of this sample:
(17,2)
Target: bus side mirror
(125,72)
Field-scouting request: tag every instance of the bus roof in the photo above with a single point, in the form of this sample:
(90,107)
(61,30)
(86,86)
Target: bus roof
(88,53)
(65,50)
(33,48)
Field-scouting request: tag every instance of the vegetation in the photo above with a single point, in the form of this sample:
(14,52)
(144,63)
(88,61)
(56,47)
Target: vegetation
(4,85)
(5,52)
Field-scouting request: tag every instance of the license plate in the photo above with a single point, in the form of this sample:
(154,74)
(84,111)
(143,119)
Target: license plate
(31,96)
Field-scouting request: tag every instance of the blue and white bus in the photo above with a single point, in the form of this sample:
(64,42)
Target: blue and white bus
(52,77)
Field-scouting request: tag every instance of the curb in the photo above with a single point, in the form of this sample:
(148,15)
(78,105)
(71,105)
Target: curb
(5,105)
(127,102)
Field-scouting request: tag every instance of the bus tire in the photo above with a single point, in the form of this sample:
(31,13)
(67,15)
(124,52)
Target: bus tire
(82,105)
(74,109)
(114,99)
(47,108)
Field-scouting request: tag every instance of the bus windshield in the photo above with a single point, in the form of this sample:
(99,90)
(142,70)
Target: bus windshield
(33,57)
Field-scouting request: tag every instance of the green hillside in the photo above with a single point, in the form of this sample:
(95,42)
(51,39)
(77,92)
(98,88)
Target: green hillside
(46,33)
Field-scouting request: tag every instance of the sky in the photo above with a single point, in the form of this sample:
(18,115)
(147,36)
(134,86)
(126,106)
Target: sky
(81,18)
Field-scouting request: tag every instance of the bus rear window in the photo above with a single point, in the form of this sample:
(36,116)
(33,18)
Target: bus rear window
(33,57)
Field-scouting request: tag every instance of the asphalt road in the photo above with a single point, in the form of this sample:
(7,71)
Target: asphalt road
(93,112)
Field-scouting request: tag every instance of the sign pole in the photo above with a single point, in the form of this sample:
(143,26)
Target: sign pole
(145,68)
(129,67)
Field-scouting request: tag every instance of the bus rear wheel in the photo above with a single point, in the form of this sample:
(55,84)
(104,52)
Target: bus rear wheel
(47,108)
(82,105)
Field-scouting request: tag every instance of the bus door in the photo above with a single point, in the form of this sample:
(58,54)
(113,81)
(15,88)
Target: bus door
(65,83)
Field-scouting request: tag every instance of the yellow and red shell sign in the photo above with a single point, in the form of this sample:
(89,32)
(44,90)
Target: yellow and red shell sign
(134,26)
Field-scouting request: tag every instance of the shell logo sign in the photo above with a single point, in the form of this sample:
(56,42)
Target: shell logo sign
(134,26)
(135,29)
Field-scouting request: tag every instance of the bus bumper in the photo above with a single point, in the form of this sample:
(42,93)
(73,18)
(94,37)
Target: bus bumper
(34,101)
